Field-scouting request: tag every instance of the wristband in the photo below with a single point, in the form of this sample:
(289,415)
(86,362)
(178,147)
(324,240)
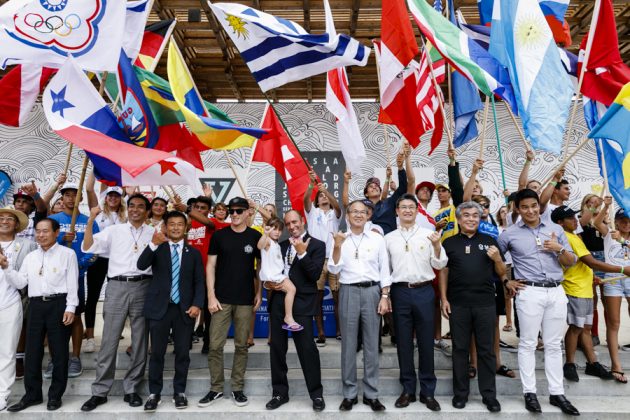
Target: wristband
(621,272)
(553,183)
(385,296)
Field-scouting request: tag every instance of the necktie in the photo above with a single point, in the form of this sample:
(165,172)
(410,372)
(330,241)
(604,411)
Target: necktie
(175,273)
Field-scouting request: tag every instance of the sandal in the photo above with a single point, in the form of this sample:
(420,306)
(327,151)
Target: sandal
(506,371)
(250,344)
(619,376)
(292,327)
(472,371)
(507,328)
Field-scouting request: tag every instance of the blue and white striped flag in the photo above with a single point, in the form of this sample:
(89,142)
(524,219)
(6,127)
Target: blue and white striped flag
(279,51)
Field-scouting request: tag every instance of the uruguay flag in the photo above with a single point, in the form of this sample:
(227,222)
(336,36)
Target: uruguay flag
(522,41)
(77,113)
(278,51)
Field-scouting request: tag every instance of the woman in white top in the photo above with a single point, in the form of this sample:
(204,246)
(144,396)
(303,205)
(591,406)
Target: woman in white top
(156,212)
(616,252)
(272,270)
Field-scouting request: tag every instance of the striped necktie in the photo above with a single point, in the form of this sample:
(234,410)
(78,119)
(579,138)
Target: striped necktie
(175,273)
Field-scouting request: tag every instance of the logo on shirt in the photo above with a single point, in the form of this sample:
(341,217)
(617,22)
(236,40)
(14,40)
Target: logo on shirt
(483,247)
(248,249)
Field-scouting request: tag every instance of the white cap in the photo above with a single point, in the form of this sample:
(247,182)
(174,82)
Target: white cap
(69,186)
(117,190)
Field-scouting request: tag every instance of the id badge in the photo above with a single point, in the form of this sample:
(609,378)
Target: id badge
(467,250)
(538,241)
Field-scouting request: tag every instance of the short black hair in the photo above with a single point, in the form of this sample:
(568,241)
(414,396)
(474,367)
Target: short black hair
(175,213)
(524,194)
(53,223)
(205,200)
(139,196)
(191,201)
(561,183)
(407,196)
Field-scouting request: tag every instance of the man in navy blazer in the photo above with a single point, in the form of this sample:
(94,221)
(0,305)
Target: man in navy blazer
(173,301)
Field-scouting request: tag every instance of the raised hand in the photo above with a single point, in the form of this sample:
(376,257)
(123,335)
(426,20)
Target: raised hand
(339,237)
(435,238)
(530,155)
(477,166)
(94,212)
(158,238)
(207,190)
(299,245)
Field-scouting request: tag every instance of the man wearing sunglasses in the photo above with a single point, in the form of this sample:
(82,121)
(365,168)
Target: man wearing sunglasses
(234,294)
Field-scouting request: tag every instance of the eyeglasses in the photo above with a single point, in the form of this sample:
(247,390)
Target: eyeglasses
(237,211)
(358,212)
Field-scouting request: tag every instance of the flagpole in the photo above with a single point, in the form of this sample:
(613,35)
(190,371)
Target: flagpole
(518,127)
(438,92)
(238,180)
(587,53)
(605,173)
(65,170)
(86,160)
(483,130)
(496,132)
(448,74)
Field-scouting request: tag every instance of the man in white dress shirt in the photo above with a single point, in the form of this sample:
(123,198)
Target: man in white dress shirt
(50,273)
(360,259)
(414,253)
(126,290)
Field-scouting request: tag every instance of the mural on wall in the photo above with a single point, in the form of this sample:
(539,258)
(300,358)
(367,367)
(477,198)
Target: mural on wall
(34,152)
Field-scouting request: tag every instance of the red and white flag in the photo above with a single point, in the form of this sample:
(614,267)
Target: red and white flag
(19,90)
(398,71)
(428,103)
(339,104)
(277,149)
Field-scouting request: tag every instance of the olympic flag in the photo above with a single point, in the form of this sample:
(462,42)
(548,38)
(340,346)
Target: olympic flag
(46,32)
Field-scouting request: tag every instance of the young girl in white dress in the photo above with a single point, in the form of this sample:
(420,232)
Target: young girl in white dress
(272,270)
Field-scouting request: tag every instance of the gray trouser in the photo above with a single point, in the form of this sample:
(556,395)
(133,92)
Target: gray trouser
(122,300)
(358,306)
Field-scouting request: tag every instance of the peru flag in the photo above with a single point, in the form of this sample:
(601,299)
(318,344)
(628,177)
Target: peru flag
(77,113)
(20,88)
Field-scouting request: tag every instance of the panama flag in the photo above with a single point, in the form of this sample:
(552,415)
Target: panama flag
(77,113)
(46,32)
(522,41)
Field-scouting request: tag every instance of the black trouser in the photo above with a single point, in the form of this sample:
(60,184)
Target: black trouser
(465,321)
(304,345)
(96,274)
(413,310)
(182,334)
(46,318)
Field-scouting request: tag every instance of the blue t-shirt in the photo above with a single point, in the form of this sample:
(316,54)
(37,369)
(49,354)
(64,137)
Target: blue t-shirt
(79,228)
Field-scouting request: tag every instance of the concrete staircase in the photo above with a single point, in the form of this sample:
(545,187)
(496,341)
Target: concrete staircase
(594,397)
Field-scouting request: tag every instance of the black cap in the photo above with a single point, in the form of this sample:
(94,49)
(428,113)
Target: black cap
(368,203)
(238,203)
(562,212)
(620,214)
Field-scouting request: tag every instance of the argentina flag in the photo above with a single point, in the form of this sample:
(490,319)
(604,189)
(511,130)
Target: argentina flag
(279,51)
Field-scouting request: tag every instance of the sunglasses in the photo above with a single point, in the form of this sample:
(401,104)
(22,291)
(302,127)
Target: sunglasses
(485,205)
(237,211)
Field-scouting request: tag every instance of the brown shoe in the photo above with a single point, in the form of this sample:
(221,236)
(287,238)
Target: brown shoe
(19,368)
(404,400)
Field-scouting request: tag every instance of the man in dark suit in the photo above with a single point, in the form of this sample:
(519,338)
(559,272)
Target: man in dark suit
(173,301)
(303,262)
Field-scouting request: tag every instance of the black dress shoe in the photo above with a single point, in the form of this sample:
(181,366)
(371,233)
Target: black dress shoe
(276,401)
(180,401)
(133,399)
(531,403)
(93,402)
(430,402)
(492,404)
(459,402)
(318,404)
(374,404)
(152,403)
(23,404)
(347,403)
(53,405)
(564,404)
(404,400)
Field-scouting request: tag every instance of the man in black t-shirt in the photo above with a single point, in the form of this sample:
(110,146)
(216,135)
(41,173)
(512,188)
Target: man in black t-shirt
(234,294)
(467,294)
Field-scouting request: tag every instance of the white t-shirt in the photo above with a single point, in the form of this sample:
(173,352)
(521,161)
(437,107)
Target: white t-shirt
(322,225)
(271,264)
(615,253)
(10,250)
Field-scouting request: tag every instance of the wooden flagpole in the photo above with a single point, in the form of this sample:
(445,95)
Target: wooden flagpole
(606,190)
(483,129)
(496,131)
(67,166)
(518,127)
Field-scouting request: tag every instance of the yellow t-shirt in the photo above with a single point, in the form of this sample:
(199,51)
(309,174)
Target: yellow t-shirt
(448,213)
(578,279)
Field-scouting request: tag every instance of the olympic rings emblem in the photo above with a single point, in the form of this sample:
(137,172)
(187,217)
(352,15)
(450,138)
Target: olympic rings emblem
(57,24)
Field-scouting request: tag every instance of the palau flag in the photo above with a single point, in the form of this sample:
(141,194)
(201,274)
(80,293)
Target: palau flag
(213,133)
(522,41)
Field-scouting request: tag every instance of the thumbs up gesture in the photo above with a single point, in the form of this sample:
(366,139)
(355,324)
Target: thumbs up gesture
(552,244)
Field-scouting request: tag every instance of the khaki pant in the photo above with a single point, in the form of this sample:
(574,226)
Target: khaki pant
(333,279)
(220,322)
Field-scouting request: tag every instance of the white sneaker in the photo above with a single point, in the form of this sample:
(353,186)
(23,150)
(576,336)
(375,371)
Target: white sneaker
(49,370)
(3,403)
(443,346)
(89,346)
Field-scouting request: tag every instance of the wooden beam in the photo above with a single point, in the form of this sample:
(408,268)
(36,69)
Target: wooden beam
(228,54)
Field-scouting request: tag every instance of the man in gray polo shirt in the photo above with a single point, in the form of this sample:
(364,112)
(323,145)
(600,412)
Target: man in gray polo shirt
(539,250)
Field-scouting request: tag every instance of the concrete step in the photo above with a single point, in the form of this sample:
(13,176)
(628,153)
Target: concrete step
(330,357)
(258,383)
(608,408)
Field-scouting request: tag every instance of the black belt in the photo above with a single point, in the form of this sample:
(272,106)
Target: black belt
(541,283)
(364,284)
(412,285)
(49,298)
(130,278)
